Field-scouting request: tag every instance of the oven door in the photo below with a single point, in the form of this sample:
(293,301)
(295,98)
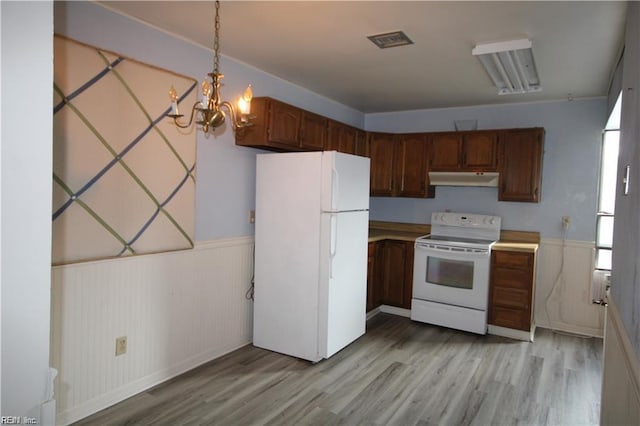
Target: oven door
(451,275)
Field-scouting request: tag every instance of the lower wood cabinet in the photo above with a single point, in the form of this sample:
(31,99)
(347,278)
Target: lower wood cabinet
(394,274)
(373,292)
(512,289)
(390,274)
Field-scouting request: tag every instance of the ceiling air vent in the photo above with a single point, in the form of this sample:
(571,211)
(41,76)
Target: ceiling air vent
(394,39)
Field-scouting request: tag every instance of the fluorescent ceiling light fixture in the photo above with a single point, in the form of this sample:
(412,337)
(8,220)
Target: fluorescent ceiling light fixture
(510,66)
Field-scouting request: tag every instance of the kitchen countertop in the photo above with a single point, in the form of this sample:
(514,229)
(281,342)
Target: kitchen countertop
(384,234)
(509,240)
(515,246)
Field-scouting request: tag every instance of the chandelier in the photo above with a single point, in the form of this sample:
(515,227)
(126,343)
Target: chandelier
(210,108)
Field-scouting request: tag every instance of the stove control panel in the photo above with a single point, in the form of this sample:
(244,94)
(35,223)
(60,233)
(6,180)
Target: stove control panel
(465,220)
(466,225)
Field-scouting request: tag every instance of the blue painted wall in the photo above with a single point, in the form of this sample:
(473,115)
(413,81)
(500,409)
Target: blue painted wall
(569,174)
(225,188)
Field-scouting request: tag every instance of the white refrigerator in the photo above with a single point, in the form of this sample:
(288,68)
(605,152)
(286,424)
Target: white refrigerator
(311,236)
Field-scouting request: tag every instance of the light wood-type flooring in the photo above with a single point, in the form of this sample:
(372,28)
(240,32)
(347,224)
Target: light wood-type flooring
(399,373)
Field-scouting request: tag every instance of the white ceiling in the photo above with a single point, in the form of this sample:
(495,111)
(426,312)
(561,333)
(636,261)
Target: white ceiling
(323,46)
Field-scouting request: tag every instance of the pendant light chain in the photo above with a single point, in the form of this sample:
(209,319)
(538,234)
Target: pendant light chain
(209,111)
(216,40)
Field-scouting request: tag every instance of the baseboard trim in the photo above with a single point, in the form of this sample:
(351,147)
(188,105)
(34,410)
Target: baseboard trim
(372,313)
(395,311)
(572,328)
(526,336)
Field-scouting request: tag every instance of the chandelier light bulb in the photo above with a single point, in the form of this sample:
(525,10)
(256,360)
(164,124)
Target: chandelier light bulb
(244,103)
(174,100)
(206,93)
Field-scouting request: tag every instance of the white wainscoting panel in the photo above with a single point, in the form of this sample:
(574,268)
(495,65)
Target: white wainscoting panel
(620,376)
(178,310)
(563,299)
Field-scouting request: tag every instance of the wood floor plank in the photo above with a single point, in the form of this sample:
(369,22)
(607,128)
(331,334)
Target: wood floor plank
(399,373)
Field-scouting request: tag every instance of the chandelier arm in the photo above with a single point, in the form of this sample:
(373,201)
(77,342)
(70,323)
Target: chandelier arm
(177,117)
(232,113)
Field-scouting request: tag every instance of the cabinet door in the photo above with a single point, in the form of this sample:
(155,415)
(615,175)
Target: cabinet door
(411,154)
(446,152)
(347,143)
(381,152)
(284,124)
(341,138)
(333,135)
(520,165)
(479,151)
(313,132)
(394,273)
(362,148)
(373,297)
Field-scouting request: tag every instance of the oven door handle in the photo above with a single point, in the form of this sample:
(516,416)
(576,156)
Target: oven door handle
(451,252)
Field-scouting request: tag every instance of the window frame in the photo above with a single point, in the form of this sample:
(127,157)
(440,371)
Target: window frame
(601,247)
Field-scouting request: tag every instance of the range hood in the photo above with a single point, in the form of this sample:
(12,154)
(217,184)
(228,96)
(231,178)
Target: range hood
(463,178)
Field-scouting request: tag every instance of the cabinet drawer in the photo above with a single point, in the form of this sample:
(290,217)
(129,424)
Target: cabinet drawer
(513,260)
(512,278)
(510,297)
(510,318)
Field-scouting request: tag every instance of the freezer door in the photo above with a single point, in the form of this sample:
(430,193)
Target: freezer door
(343,279)
(345,182)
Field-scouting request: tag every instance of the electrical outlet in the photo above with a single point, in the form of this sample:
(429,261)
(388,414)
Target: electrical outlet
(566,221)
(121,345)
(252,216)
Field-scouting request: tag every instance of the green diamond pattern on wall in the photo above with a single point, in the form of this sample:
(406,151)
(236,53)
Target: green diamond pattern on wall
(123,176)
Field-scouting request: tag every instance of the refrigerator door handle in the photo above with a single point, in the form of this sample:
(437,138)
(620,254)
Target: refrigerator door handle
(334,242)
(335,188)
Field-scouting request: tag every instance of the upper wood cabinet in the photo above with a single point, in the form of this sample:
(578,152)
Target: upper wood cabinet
(382,155)
(342,138)
(313,132)
(362,148)
(520,168)
(411,161)
(283,123)
(399,165)
(279,126)
(464,151)
(446,152)
(479,151)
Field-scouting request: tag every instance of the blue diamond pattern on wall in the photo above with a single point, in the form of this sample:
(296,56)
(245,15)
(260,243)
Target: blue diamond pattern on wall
(123,177)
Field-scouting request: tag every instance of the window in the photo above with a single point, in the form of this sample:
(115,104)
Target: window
(607,190)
